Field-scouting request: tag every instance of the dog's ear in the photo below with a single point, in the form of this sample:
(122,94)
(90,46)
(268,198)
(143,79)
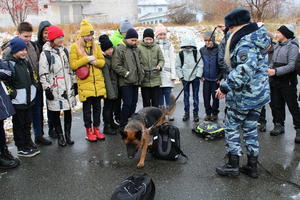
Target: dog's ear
(123,134)
(138,135)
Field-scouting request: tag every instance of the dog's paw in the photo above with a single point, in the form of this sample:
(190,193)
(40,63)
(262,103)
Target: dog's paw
(140,165)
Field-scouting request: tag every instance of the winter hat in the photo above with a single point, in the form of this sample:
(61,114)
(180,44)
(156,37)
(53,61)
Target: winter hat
(17,44)
(148,33)
(237,17)
(209,34)
(125,26)
(188,41)
(86,28)
(131,33)
(288,30)
(160,28)
(54,32)
(105,42)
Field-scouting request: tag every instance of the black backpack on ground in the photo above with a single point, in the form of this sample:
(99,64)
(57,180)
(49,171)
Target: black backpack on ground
(166,142)
(135,188)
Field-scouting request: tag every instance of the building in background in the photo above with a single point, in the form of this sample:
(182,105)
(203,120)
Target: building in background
(152,11)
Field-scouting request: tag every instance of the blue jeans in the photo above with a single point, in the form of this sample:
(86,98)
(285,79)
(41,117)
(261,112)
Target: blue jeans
(165,93)
(209,92)
(129,95)
(37,111)
(195,87)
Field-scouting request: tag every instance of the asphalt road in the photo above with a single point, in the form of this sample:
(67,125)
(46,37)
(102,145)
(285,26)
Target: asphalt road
(92,170)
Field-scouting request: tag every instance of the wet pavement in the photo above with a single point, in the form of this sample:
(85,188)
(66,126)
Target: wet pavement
(92,170)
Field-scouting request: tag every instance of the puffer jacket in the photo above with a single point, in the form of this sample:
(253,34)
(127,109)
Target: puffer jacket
(151,57)
(6,74)
(117,38)
(22,87)
(283,61)
(168,73)
(126,62)
(247,84)
(111,79)
(58,77)
(93,85)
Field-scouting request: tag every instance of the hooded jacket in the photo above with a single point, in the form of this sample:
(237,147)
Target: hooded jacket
(184,71)
(151,57)
(40,42)
(116,38)
(283,61)
(58,77)
(247,84)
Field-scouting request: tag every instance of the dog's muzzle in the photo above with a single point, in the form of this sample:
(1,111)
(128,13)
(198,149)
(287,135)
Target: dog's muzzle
(131,150)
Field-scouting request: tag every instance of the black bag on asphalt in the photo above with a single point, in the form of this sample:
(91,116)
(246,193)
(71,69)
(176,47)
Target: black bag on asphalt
(135,188)
(209,130)
(166,143)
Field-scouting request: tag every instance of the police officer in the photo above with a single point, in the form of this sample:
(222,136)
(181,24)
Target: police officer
(246,89)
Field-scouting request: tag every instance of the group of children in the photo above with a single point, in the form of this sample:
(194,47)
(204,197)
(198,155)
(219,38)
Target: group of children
(112,69)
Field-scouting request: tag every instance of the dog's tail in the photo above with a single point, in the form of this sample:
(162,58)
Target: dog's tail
(171,109)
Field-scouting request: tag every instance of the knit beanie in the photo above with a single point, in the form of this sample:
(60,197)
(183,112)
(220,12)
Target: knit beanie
(125,26)
(54,32)
(237,17)
(148,33)
(160,28)
(288,30)
(131,33)
(105,42)
(86,28)
(17,44)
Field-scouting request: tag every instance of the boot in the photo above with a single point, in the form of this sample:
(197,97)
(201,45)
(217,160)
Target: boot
(52,133)
(186,117)
(108,130)
(262,127)
(231,168)
(69,140)
(7,161)
(214,118)
(42,140)
(207,118)
(114,125)
(98,134)
(251,168)
(278,130)
(90,135)
(61,140)
(297,138)
(196,117)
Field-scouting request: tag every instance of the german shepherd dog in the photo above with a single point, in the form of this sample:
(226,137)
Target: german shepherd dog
(137,133)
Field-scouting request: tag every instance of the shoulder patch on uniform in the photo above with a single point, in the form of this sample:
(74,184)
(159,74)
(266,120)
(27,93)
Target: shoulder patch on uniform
(243,55)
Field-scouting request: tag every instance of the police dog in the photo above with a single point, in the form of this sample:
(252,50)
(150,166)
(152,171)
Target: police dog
(137,133)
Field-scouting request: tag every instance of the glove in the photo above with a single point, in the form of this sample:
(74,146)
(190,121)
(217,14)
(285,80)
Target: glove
(75,88)
(13,94)
(64,95)
(49,94)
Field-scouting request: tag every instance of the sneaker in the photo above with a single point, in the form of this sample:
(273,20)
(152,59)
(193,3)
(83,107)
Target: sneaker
(25,152)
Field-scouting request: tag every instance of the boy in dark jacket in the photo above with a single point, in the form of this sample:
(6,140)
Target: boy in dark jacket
(212,76)
(7,161)
(111,86)
(22,92)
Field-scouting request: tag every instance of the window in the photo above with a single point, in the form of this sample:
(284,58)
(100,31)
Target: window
(140,10)
(159,9)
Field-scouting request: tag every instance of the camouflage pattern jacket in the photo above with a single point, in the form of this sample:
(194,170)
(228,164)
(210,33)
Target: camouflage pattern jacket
(247,85)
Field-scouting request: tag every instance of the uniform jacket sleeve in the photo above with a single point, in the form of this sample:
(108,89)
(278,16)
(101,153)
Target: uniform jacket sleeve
(242,73)
(292,57)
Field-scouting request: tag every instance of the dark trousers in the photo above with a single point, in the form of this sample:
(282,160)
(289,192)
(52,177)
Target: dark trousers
(37,111)
(117,108)
(209,92)
(50,121)
(262,116)
(129,95)
(108,110)
(280,97)
(150,96)
(195,87)
(55,116)
(21,127)
(165,96)
(92,103)
(2,135)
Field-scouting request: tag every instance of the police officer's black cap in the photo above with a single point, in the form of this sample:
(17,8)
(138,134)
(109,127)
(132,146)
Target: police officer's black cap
(237,17)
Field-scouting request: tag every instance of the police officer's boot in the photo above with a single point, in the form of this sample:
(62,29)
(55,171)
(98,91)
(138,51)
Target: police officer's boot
(278,129)
(231,168)
(297,138)
(251,168)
